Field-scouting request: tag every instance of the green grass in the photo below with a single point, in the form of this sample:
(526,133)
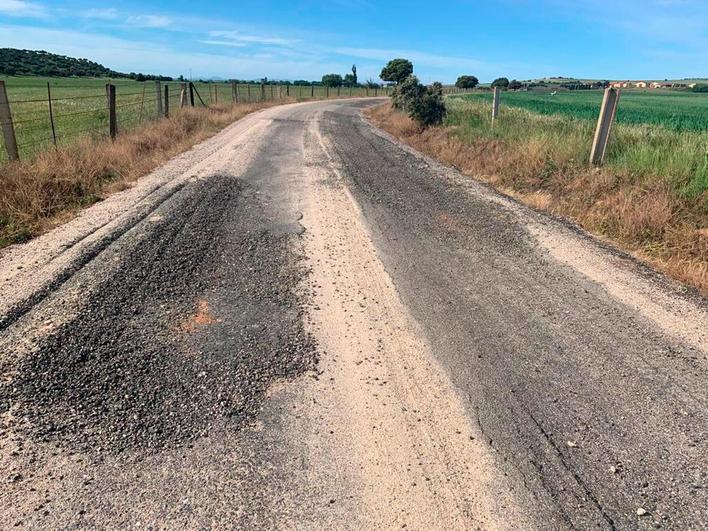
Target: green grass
(641,151)
(80,109)
(674,110)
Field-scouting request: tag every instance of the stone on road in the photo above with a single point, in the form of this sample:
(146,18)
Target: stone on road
(301,323)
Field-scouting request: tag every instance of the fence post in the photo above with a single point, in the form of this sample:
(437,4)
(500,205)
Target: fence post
(248,92)
(158,99)
(51,115)
(8,129)
(234,92)
(327,91)
(495,104)
(262,91)
(367,92)
(312,91)
(338,91)
(167,101)
(112,121)
(191,94)
(182,94)
(604,125)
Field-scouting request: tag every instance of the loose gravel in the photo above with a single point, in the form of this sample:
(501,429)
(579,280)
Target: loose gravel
(185,336)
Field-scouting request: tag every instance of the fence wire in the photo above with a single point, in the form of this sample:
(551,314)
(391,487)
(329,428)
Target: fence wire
(81,109)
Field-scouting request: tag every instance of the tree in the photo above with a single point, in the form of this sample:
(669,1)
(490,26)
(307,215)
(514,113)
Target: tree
(397,70)
(350,80)
(501,82)
(332,80)
(466,82)
(514,85)
(356,79)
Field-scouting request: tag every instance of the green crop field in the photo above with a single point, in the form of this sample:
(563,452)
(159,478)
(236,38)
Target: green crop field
(79,105)
(678,111)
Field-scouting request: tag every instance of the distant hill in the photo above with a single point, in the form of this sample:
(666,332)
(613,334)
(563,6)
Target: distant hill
(14,62)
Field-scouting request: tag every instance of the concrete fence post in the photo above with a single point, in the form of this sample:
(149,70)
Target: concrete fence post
(495,104)
(8,129)
(158,98)
(608,112)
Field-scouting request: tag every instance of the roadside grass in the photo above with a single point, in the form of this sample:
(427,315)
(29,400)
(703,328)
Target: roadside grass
(40,192)
(651,197)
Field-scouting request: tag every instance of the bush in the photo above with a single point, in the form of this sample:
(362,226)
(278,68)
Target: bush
(429,108)
(501,82)
(423,104)
(466,82)
(406,91)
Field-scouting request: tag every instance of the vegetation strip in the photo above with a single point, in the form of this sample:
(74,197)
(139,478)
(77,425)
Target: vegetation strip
(651,198)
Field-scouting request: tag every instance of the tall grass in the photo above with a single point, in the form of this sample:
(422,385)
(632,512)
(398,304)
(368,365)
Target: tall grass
(650,198)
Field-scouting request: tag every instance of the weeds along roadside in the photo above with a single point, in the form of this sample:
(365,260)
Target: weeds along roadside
(651,198)
(41,192)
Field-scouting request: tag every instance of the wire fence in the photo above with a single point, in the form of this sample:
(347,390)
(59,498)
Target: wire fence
(52,114)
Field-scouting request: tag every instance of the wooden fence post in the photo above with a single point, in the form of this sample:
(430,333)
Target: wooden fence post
(167,101)
(51,115)
(191,94)
(112,121)
(262,91)
(8,130)
(312,91)
(604,125)
(248,92)
(234,92)
(158,93)
(327,91)
(338,91)
(495,103)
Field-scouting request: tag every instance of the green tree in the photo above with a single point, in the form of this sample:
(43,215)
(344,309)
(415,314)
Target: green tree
(467,82)
(332,80)
(356,79)
(397,70)
(501,82)
(429,108)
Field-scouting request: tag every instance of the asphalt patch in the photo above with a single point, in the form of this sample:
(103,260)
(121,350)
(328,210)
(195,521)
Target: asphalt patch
(187,335)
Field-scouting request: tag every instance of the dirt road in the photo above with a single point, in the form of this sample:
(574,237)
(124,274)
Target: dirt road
(302,324)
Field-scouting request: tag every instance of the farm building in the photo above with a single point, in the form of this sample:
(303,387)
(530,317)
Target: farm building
(641,84)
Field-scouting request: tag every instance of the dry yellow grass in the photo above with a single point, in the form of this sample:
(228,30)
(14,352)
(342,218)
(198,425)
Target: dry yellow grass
(46,190)
(640,216)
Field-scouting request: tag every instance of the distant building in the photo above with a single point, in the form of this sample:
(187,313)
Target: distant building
(692,85)
(658,85)
(641,84)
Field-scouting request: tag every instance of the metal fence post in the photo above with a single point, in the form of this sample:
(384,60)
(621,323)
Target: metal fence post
(51,115)
(112,120)
(604,125)
(8,130)
(495,104)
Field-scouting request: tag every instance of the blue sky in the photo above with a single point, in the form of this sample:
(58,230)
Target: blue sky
(296,39)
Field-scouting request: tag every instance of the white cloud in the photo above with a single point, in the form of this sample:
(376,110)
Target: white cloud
(149,21)
(110,13)
(225,43)
(20,8)
(236,36)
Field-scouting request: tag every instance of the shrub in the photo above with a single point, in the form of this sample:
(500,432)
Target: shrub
(466,82)
(406,91)
(501,82)
(428,108)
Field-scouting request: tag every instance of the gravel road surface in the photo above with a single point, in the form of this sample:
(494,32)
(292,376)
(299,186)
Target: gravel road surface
(301,323)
